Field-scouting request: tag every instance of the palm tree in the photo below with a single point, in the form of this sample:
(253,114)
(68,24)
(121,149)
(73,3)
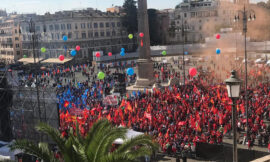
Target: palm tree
(95,147)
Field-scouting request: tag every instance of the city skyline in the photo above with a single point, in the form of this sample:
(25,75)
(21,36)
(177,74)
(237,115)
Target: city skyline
(40,7)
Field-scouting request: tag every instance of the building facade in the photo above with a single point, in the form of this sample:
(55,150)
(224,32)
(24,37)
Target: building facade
(200,19)
(10,44)
(92,30)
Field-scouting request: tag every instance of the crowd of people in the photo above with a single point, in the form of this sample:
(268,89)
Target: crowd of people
(177,116)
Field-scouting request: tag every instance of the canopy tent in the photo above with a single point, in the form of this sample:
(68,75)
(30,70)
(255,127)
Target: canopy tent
(129,135)
(56,61)
(268,62)
(259,61)
(29,60)
(6,153)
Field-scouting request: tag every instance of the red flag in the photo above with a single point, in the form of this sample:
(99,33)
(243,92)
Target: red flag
(109,117)
(148,116)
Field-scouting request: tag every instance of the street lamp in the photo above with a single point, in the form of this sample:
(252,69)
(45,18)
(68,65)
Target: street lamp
(248,15)
(233,88)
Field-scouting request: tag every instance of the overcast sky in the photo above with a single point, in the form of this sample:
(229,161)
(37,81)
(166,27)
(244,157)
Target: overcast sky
(42,6)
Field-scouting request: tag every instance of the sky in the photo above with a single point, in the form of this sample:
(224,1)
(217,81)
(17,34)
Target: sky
(43,6)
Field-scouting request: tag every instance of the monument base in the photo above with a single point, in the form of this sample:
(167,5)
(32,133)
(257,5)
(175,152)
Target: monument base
(145,70)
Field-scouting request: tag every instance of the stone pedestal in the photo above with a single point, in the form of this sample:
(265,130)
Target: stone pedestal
(145,74)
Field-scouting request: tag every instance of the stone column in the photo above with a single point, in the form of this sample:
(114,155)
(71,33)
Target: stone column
(145,76)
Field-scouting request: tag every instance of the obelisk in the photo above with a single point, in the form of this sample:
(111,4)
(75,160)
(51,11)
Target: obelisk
(145,77)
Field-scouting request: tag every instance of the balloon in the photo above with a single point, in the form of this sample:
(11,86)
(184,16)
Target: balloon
(130,71)
(164,53)
(24,56)
(186,53)
(97,54)
(43,49)
(123,49)
(73,52)
(66,103)
(192,72)
(61,57)
(65,38)
(218,51)
(218,36)
(122,53)
(101,75)
(78,48)
(109,54)
(141,35)
(130,36)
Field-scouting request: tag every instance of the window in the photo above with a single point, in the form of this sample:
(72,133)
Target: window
(96,34)
(56,27)
(16,38)
(101,25)
(51,27)
(58,36)
(76,27)
(89,25)
(200,27)
(83,35)
(90,34)
(102,34)
(52,35)
(77,35)
(185,14)
(113,33)
(17,45)
(15,31)
(69,35)
(63,27)
(95,25)
(118,24)
(108,33)
(82,25)
(107,25)
(69,26)
(113,24)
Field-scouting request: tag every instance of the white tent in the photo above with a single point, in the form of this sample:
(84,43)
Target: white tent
(130,134)
(6,153)
(268,62)
(259,61)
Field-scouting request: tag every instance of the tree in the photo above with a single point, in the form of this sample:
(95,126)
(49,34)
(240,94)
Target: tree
(155,38)
(95,147)
(129,20)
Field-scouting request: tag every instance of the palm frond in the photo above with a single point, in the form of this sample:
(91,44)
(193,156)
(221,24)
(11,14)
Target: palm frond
(118,157)
(106,142)
(53,133)
(41,151)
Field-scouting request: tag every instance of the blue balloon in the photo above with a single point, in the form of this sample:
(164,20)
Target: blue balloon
(130,71)
(122,53)
(73,52)
(218,51)
(65,38)
(186,53)
(123,49)
(134,93)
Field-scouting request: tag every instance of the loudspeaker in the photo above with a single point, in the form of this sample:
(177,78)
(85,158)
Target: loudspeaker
(5,105)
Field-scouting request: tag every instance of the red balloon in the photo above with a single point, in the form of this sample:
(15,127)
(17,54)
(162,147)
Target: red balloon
(141,35)
(109,54)
(78,48)
(97,54)
(218,36)
(61,57)
(192,72)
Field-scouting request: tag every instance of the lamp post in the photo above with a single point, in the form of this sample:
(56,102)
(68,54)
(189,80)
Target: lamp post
(233,88)
(183,33)
(245,18)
